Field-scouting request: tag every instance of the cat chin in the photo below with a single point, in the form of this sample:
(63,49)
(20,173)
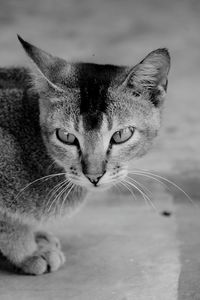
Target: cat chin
(98,188)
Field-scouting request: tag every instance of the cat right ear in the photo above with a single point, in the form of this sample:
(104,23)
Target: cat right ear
(49,68)
(151,73)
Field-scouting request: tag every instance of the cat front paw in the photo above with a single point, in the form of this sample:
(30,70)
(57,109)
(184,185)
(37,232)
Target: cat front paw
(45,239)
(47,258)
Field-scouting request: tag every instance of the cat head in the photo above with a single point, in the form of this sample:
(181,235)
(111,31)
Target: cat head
(96,119)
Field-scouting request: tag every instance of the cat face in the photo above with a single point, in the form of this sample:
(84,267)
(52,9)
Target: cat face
(95,119)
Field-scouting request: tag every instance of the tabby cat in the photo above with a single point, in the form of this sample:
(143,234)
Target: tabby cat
(65,129)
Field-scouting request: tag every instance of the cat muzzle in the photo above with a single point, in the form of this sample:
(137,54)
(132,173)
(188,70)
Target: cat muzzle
(94,178)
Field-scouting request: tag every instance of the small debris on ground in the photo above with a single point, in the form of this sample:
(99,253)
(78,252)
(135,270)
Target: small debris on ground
(166,213)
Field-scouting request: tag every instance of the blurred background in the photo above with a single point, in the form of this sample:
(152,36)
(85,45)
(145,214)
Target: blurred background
(122,32)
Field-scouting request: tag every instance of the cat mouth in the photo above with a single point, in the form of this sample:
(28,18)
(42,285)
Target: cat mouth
(96,183)
(98,188)
(88,184)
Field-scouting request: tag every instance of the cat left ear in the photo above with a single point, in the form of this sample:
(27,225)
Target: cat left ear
(151,73)
(49,67)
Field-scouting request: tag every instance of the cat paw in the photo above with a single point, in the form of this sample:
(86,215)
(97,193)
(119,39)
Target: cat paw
(43,239)
(47,258)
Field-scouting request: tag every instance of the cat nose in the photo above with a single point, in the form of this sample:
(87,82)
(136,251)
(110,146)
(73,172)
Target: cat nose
(94,179)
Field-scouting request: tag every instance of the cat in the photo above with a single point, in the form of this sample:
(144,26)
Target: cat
(66,129)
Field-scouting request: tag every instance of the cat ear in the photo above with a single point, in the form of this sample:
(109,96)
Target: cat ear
(151,73)
(49,67)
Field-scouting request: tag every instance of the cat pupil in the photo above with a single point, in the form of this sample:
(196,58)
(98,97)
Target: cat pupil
(122,135)
(65,137)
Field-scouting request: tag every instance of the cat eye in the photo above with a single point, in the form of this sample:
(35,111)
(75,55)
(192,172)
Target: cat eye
(122,135)
(66,137)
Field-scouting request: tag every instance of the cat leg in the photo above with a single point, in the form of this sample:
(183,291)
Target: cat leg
(32,252)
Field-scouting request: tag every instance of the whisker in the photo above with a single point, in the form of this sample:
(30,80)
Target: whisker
(173,184)
(141,185)
(63,202)
(145,189)
(65,188)
(123,183)
(135,187)
(155,177)
(37,180)
(59,194)
(146,197)
(54,190)
(149,176)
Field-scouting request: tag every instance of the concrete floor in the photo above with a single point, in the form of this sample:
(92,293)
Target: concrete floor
(118,248)
(121,249)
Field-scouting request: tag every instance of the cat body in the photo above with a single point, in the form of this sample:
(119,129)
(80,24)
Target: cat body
(67,129)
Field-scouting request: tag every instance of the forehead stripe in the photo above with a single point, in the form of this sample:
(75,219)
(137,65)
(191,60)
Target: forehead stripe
(94,81)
